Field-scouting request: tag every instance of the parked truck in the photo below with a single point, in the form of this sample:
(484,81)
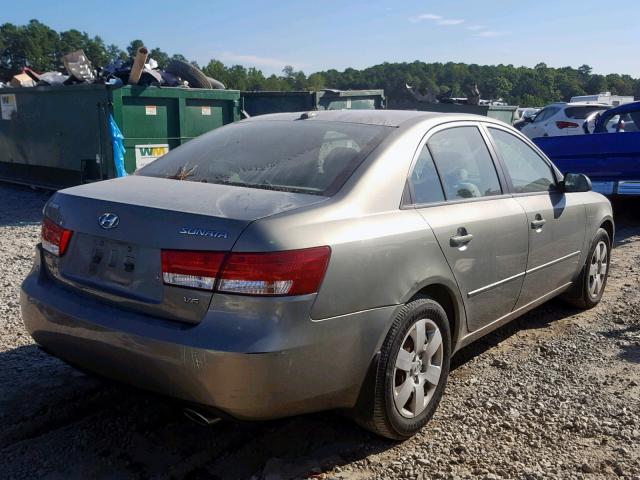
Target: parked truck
(610,156)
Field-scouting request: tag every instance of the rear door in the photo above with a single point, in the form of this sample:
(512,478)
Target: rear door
(542,124)
(556,221)
(481,231)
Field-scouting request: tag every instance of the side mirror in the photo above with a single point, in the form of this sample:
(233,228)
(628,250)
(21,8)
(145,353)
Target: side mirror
(576,182)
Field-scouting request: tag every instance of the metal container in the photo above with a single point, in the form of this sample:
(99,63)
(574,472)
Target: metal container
(505,113)
(54,137)
(260,103)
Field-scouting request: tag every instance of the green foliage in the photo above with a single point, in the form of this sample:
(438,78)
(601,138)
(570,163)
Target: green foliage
(133,47)
(41,48)
(524,86)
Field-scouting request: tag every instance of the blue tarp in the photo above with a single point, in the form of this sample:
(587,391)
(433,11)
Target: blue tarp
(117,142)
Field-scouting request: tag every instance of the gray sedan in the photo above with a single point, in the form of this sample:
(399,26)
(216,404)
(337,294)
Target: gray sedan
(301,262)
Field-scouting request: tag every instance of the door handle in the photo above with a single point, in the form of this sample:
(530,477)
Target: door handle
(461,238)
(538,222)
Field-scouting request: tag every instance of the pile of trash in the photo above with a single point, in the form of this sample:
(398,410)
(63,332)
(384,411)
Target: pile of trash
(142,70)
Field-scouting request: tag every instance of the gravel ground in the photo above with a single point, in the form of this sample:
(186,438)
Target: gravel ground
(555,394)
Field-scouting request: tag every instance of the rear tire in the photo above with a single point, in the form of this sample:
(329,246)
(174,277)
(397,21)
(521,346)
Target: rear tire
(592,280)
(412,371)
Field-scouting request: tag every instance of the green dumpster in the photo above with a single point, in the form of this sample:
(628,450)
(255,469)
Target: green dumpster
(506,113)
(54,137)
(260,103)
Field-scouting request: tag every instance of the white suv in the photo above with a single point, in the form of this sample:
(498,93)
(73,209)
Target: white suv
(561,119)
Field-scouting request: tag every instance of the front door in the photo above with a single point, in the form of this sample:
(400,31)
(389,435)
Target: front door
(482,232)
(556,220)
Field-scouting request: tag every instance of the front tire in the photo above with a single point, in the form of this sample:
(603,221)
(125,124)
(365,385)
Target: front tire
(412,371)
(594,274)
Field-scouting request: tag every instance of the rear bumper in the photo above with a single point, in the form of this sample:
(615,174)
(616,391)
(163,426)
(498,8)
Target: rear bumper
(252,358)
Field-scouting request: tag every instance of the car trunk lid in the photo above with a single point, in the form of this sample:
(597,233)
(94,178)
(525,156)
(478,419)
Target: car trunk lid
(120,260)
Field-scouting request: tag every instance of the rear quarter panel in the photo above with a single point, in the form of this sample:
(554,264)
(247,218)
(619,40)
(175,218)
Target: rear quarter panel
(376,260)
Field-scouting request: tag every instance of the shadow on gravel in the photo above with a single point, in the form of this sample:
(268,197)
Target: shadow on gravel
(21,205)
(628,339)
(48,409)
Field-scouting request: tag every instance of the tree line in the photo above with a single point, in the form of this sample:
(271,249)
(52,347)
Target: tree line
(41,48)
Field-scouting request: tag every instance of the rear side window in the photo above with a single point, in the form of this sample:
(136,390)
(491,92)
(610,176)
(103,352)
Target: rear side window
(307,156)
(464,163)
(546,113)
(425,184)
(581,113)
(528,171)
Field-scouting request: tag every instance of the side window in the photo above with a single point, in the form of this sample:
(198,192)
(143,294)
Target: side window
(464,163)
(424,180)
(528,171)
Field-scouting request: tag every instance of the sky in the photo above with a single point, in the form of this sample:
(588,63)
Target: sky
(313,36)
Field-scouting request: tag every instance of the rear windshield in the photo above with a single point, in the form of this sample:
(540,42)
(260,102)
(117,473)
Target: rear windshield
(581,113)
(307,156)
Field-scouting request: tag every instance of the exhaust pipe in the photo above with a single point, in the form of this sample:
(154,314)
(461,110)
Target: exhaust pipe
(199,417)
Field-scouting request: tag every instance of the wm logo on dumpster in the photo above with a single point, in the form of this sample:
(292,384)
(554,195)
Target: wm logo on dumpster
(146,154)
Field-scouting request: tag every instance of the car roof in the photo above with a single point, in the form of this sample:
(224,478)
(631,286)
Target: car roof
(389,118)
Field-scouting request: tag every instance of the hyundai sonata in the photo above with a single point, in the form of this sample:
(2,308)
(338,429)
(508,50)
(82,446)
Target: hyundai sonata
(292,263)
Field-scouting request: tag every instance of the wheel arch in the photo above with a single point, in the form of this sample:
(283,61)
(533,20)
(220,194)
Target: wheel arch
(608,225)
(449,301)
(438,290)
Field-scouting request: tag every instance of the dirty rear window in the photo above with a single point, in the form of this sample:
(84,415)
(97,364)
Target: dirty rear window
(307,156)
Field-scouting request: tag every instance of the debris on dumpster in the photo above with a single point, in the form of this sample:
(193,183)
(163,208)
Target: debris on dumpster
(138,65)
(53,78)
(79,66)
(22,80)
(190,73)
(141,70)
(217,84)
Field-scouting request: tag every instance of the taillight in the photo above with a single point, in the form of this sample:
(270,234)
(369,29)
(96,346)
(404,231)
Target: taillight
(293,272)
(562,124)
(192,269)
(54,238)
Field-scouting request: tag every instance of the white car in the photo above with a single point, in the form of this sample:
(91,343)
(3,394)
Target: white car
(561,119)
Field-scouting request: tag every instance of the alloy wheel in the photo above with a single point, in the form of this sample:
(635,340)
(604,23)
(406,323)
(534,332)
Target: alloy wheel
(598,269)
(418,368)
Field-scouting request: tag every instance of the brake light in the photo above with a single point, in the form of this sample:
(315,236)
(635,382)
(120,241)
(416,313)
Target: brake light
(54,238)
(192,269)
(294,272)
(562,124)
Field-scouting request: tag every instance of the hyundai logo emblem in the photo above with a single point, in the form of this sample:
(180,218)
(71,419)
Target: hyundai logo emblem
(108,220)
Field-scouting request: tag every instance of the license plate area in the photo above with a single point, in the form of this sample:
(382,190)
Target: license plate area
(113,262)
